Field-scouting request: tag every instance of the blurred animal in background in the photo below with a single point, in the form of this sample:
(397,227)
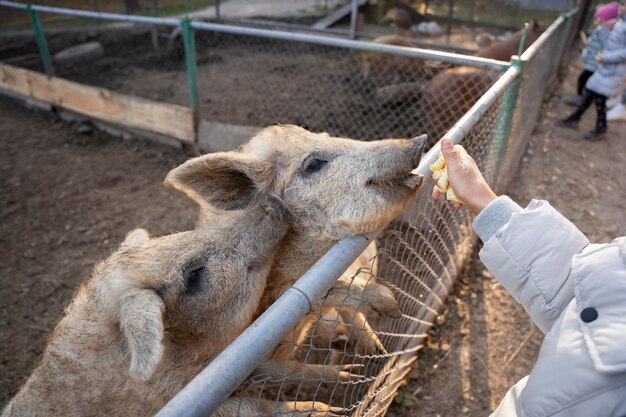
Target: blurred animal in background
(484,39)
(504,49)
(379,65)
(399,18)
(452,92)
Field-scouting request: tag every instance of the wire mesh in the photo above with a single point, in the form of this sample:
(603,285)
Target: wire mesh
(359,354)
(245,80)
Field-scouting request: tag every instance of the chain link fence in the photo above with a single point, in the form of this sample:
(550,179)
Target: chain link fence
(254,78)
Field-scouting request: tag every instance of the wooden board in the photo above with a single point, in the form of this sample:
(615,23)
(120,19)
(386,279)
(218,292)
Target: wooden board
(166,119)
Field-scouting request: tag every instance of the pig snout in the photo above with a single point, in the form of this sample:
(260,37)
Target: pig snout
(419,143)
(414,179)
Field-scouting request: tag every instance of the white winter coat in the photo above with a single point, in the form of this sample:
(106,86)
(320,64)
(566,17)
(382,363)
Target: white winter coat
(576,293)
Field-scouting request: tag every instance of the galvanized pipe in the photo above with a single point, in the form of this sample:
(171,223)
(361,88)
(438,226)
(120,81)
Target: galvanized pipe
(354,16)
(357,45)
(203,395)
(44,52)
(275,34)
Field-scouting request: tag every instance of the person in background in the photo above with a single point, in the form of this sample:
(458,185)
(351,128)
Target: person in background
(573,290)
(595,43)
(617,110)
(609,77)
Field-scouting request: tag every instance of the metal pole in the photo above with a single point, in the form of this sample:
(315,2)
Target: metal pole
(353,18)
(202,396)
(505,116)
(522,41)
(190,61)
(217,9)
(358,45)
(41,41)
(450,13)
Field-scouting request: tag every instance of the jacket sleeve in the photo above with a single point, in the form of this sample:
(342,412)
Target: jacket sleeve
(618,55)
(529,252)
(615,56)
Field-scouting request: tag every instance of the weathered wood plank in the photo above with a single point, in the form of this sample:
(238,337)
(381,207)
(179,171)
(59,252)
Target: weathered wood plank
(167,119)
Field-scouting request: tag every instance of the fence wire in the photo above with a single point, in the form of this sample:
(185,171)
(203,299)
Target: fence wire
(349,355)
(361,355)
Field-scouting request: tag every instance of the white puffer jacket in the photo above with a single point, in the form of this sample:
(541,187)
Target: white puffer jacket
(576,293)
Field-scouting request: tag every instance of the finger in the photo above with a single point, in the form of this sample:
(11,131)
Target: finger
(436,194)
(457,205)
(453,159)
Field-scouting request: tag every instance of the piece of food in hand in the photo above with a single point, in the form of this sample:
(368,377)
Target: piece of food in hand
(440,175)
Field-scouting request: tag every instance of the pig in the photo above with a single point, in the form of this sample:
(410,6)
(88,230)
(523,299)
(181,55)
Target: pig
(334,187)
(378,64)
(503,50)
(153,315)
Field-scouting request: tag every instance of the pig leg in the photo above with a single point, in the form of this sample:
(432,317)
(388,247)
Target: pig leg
(247,407)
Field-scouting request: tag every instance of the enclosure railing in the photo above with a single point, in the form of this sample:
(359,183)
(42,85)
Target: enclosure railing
(420,252)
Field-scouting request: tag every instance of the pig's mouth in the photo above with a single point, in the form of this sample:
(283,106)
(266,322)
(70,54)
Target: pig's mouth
(412,180)
(399,180)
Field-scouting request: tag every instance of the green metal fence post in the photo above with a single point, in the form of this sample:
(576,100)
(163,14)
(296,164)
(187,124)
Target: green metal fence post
(41,41)
(499,142)
(190,61)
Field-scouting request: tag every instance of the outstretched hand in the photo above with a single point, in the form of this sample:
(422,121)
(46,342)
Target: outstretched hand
(465,178)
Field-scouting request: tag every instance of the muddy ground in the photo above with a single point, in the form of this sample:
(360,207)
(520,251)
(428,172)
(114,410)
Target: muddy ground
(68,198)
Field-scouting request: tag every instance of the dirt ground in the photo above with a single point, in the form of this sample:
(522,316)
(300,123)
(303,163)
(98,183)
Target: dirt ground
(68,198)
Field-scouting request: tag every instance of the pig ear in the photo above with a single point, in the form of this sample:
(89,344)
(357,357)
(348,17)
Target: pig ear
(141,320)
(225,180)
(136,236)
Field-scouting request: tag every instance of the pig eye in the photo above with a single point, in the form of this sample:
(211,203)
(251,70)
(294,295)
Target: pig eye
(313,164)
(193,280)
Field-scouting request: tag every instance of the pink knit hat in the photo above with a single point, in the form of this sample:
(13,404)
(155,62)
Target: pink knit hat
(608,11)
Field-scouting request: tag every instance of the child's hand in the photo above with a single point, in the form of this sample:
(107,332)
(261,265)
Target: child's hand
(465,178)
(599,57)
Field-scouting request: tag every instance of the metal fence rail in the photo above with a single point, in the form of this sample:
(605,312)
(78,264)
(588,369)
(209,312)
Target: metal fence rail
(247,76)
